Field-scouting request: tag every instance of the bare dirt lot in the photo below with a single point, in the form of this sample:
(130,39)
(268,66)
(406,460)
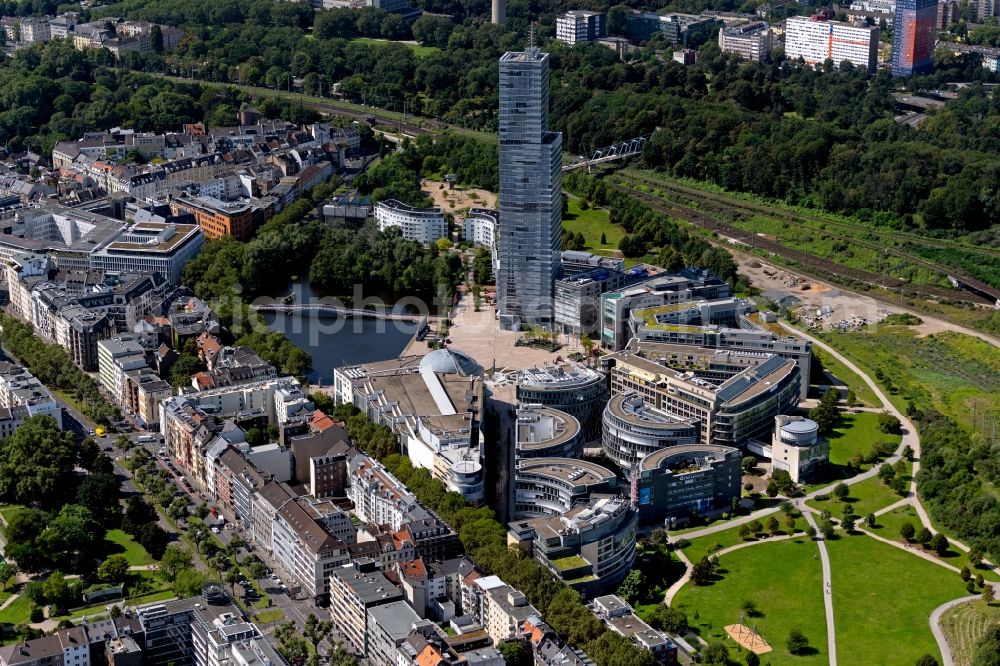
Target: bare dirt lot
(458,199)
(776,282)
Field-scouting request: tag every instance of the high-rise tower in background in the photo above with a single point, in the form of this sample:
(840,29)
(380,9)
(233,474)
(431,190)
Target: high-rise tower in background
(498,12)
(913,33)
(530,229)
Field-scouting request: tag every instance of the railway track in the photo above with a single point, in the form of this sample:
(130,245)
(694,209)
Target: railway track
(818,266)
(744,210)
(786,215)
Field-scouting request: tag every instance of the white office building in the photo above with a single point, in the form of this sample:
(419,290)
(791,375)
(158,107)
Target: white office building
(480,227)
(424,225)
(816,41)
(580,25)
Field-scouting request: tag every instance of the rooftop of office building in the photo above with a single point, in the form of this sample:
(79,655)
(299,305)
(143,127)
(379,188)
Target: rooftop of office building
(542,427)
(570,470)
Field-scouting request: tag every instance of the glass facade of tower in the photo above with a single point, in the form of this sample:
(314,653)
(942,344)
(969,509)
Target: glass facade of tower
(914,30)
(530,230)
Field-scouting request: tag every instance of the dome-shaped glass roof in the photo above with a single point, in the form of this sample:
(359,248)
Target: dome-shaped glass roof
(450,361)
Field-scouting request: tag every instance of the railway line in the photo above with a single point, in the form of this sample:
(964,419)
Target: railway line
(818,266)
(978,290)
(786,215)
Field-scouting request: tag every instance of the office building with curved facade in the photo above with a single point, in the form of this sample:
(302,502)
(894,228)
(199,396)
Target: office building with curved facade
(579,391)
(591,547)
(543,432)
(676,482)
(732,404)
(632,430)
(553,486)
(424,225)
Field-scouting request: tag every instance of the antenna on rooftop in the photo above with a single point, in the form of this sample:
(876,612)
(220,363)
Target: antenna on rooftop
(531,35)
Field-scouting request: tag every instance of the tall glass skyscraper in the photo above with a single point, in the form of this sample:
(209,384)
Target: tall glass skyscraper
(913,33)
(530,229)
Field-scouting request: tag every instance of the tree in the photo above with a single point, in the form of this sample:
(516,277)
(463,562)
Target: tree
(827,413)
(23,536)
(74,537)
(7,571)
(847,523)
(113,569)
(257,570)
(715,654)
(889,424)
(632,587)
(749,607)
(316,630)
(516,653)
(752,659)
(851,400)
(827,529)
(987,651)
(907,531)
(188,583)
(703,571)
(927,660)
(939,544)
(988,594)
(233,577)
(671,620)
(870,521)
(587,343)
(772,525)
(841,491)
(175,560)
(797,642)
(99,494)
(36,463)
(156,38)
(604,238)
(924,536)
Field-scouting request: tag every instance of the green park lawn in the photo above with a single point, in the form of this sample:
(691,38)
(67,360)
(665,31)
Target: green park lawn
(17,612)
(964,626)
(784,579)
(707,545)
(887,525)
(882,597)
(419,50)
(856,436)
(867,497)
(848,377)
(269,616)
(118,541)
(10,510)
(592,223)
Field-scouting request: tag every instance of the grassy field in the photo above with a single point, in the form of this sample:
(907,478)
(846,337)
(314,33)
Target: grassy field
(706,545)
(964,625)
(882,597)
(955,374)
(788,596)
(17,612)
(856,436)
(592,223)
(848,377)
(867,497)
(118,541)
(10,510)
(887,525)
(269,616)
(418,50)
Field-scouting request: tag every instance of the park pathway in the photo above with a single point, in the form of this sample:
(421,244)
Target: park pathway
(824,557)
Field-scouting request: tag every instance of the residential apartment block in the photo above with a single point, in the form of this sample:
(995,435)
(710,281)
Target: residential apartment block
(817,40)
